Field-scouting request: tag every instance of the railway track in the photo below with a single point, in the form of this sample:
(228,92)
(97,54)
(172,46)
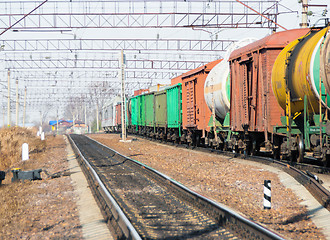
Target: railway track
(299,171)
(141,203)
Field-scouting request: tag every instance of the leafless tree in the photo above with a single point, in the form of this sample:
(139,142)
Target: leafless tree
(99,93)
(92,102)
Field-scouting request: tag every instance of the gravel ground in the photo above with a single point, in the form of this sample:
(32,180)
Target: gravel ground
(43,209)
(237,185)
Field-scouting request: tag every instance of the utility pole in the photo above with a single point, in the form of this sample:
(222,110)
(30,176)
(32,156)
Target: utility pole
(17,103)
(57,122)
(304,18)
(97,116)
(24,110)
(8,107)
(123,108)
(40,119)
(3,117)
(85,114)
(73,118)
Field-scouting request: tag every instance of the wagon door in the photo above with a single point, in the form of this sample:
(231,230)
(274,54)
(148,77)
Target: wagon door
(118,114)
(252,89)
(111,114)
(249,93)
(134,111)
(191,103)
(174,106)
(160,109)
(149,109)
(141,110)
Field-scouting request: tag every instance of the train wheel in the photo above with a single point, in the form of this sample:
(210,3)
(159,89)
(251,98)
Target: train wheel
(277,152)
(301,149)
(221,146)
(277,148)
(326,160)
(197,141)
(254,148)
(225,146)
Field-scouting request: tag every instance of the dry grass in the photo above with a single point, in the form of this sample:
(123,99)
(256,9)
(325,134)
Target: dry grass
(38,209)
(11,140)
(11,204)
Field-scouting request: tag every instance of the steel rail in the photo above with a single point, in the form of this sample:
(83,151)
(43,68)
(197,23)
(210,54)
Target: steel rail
(321,194)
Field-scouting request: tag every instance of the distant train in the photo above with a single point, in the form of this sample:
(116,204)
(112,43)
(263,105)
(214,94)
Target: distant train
(270,95)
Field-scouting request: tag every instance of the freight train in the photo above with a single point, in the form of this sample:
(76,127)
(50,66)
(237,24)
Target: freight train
(270,96)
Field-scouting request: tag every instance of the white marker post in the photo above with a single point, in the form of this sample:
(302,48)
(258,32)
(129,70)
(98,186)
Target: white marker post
(42,136)
(25,152)
(267,195)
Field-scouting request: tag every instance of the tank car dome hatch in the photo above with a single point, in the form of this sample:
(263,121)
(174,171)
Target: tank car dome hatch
(325,62)
(297,68)
(217,83)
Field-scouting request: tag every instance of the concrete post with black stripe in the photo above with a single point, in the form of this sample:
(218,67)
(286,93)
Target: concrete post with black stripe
(267,195)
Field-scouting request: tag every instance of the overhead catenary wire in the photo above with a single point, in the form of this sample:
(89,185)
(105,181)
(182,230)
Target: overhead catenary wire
(262,15)
(25,15)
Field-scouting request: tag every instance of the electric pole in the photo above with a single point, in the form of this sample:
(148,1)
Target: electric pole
(17,103)
(24,108)
(8,107)
(304,18)
(123,109)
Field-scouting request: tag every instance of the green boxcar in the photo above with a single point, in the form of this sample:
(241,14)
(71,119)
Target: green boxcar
(174,106)
(134,111)
(141,110)
(149,110)
(160,109)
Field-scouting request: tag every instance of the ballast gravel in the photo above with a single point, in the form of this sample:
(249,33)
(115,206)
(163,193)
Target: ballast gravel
(235,184)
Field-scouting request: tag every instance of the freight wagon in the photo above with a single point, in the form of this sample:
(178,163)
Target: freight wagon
(217,98)
(108,122)
(274,98)
(157,114)
(254,110)
(276,88)
(195,112)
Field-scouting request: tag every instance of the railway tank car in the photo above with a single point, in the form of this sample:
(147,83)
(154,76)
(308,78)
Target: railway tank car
(217,98)
(195,112)
(301,92)
(325,63)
